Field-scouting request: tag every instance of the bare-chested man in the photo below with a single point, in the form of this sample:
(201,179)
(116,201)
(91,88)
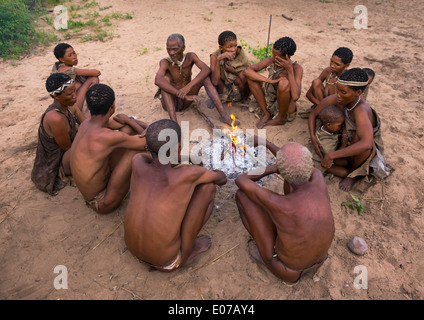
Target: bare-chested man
(165,215)
(101,157)
(292,232)
(283,86)
(177,90)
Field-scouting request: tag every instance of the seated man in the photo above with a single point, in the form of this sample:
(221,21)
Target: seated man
(100,157)
(57,130)
(84,78)
(227,65)
(364,154)
(292,232)
(325,84)
(277,98)
(177,90)
(163,218)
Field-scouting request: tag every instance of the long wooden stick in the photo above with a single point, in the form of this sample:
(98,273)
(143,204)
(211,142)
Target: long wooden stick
(269,31)
(210,123)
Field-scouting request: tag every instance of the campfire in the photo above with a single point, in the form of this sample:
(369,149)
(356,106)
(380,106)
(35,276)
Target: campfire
(232,153)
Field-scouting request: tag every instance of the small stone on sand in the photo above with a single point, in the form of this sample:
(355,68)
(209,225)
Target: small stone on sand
(357,245)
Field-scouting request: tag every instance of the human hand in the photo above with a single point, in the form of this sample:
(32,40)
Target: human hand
(284,63)
(316,145)
(275,81)
(183,92)
(327,162)
(194,99)
(229,67)
(230,55)
(121,118)
(143,134)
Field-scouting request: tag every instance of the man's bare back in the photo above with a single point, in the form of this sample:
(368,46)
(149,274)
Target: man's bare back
(158,222)
(294,231)
(167,208)
(101,158)
(303,217)
(92,158)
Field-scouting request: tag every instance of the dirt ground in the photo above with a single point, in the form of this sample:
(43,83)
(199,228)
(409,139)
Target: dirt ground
(39,232)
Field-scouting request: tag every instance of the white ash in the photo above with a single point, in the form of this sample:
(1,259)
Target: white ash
(220,154)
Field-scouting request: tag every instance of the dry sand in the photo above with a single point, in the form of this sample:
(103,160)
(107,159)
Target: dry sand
(39,232)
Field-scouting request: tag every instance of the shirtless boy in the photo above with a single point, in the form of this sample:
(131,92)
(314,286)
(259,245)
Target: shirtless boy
(227,66)
(363,130)
(292,232)
(283,86)
(163,218)
(57,130)
(84,78)
(177,89)
(101,157)
(339,62)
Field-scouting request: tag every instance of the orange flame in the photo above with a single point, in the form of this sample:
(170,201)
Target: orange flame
(232,123)
(233,128)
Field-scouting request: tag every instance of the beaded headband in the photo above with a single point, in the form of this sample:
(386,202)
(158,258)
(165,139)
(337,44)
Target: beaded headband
(61,88)
(352,83)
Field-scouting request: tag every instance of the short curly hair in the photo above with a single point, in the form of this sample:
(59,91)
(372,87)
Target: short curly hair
(345,54)
(100,98)
(154,130)
(294,162)
(55,80)
(331,114)
(60,49)
(226,36)
(286,46)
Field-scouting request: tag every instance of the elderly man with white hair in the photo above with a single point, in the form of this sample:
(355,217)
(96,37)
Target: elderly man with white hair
(292,232)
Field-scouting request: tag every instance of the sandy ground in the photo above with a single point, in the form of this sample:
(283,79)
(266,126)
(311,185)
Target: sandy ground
(39,232)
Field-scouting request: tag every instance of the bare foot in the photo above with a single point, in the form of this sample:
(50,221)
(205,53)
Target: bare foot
(201,244)
(261,123)
(347,183)
(276,122)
